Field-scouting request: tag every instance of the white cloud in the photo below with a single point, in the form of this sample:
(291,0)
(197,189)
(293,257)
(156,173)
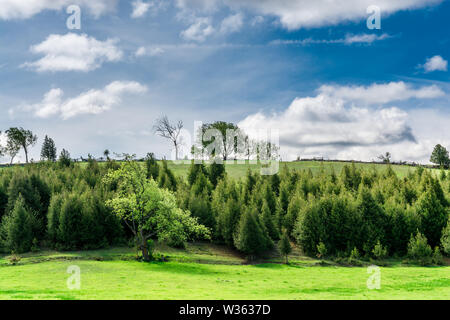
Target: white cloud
(296,14)
(73,52)
(89,102)
(152,52)
(333,125)
(140,8)
(232,23)
(348,40)
(365,38)
(199,30)
(197,5)
(381,93)
(436,63)
(23,9)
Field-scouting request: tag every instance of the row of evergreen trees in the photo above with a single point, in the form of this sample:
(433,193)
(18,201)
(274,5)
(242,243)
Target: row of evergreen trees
(62,205)
(363,210)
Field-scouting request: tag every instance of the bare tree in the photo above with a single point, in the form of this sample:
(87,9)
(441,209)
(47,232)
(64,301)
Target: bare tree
(386,158)
(165,129)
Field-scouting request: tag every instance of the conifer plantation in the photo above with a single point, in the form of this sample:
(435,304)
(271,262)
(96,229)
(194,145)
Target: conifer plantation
(358,213)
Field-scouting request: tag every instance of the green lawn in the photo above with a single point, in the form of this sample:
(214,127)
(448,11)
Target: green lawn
(221,275)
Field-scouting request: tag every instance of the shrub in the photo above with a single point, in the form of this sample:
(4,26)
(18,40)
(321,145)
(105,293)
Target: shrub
(437,257)
(419,250)
(379,251)
(14,258)
(321,250)
(354,257)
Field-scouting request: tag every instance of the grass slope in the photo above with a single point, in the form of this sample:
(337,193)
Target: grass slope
(220,275)
(239,170)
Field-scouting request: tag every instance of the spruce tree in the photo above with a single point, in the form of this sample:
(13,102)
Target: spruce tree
(48,151)
(216,173)
(268,222)
(284,246)
(152,167)
(17,227)
(251,238)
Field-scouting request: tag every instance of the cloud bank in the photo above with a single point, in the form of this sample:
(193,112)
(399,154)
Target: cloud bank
(341,123)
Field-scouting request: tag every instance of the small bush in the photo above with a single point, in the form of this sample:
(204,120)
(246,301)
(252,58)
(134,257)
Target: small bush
(14,258)
(419,250)
(437,257)
(354,257)
(379,251)
(321,250)
(35,246)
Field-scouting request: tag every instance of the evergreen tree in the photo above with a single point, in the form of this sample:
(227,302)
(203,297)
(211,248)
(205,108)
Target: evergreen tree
(152,167)
(216,173)
(54,211)
(18,229)
(268,222)
(70,222)
(167,179)
(445,240)
(434,216)
(284,246)
(64,158)
(48,151)
(251,238)
(194,170)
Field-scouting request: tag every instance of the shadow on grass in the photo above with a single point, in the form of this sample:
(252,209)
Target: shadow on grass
(180,268)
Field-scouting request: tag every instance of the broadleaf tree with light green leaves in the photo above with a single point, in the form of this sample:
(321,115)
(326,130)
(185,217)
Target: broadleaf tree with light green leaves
(149,211)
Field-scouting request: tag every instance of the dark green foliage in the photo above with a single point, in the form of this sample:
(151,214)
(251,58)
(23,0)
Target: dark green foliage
(445,239)
(419,250)
(216,173)
(151,166)
(440,156)
(17,228)
(284,246)
(268,221)
(373,217)
(433,215)
(194,170)
(167,179)
(48,151)
(251,238)
(64,158)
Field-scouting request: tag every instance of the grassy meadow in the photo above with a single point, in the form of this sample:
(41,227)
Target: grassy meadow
(208,271)
(205,271)
(239,170)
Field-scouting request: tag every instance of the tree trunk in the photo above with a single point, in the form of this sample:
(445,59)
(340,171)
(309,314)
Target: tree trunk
(176,150)
(26,154)
(144,248)
(145,254)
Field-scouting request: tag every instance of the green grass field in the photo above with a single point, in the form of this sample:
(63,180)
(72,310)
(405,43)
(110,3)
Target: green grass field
(209,272)
(239,170)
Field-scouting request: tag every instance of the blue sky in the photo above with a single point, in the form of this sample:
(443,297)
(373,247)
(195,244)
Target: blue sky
(310,69)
